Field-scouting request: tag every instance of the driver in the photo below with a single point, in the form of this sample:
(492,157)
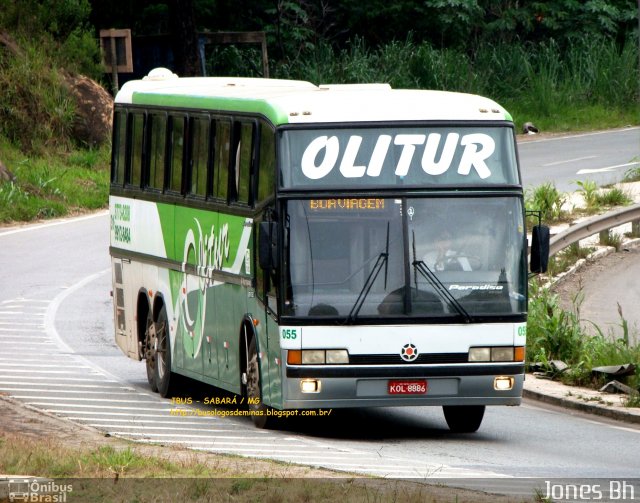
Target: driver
(444,256)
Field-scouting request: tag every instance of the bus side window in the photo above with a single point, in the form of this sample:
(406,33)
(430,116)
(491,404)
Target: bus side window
(243,140)
(177,152)
(119,159)
(137,149)
(221,164)
(157,150)
(199,132)
(266,173)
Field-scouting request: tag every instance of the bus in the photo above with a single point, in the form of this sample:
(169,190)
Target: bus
(312,247)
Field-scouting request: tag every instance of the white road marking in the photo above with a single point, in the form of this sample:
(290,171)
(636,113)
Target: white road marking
(65,391)
(606,169)
(52,224)
(556,163)
(50,378)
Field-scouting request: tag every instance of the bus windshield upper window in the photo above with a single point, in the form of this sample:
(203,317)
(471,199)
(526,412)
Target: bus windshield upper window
(407,156)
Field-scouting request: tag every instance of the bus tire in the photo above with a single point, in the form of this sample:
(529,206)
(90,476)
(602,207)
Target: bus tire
(149,351)
(165,379)
(257,408)
(463,418)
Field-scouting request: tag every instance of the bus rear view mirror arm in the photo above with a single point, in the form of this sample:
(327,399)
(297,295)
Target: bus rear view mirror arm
(268,245)
(540,238)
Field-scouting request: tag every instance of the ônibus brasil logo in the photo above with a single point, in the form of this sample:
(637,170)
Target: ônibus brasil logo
(409,353)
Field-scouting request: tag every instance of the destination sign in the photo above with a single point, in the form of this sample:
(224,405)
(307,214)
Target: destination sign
(400,156)
(371,204)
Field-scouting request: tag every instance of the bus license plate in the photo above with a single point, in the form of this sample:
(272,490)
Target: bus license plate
(418,387)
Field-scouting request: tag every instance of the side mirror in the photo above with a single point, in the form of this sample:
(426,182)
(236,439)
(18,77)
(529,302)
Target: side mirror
(540,239)
(268,245)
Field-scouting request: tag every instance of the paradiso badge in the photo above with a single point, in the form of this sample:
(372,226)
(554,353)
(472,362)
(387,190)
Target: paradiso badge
(409,353)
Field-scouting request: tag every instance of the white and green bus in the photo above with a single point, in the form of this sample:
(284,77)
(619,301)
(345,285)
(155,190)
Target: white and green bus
(314,247)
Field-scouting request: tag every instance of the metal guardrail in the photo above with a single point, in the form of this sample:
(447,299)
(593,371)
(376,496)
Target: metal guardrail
(595,225)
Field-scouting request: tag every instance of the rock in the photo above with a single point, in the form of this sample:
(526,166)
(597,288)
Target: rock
(617,387)
(94,110)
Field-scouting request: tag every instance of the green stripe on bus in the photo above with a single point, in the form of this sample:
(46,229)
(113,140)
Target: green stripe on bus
(275,114)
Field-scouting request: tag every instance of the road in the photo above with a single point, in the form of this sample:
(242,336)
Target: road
(603,157)
(57,354)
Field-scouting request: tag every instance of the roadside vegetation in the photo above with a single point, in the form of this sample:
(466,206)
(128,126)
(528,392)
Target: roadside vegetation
(108,473)
(555,333)
(53,184)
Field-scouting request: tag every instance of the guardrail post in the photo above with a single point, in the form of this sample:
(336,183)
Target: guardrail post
(604,237)
(635,228)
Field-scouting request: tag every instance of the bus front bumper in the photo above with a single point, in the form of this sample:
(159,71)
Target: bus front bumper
(358,386)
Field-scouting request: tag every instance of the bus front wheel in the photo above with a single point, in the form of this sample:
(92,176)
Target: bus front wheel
(463,418)
(257,408)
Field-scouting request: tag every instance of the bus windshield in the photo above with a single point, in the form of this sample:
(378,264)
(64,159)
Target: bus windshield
(422,258)
(398,156)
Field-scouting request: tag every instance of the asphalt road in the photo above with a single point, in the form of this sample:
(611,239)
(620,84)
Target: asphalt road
(57,353)
(603,157)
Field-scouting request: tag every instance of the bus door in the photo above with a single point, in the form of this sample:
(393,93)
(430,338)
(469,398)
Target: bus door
(124,308)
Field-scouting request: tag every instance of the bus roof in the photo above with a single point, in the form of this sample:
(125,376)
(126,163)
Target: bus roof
(292,101)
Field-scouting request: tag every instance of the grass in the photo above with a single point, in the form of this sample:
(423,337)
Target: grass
(591,84)
(53,185)
(565,259)
(557,334)
(548,200)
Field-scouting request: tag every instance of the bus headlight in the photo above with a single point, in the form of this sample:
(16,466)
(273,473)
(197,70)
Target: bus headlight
(479,354)
(497,354)
(502,354)
(337,356)
(317,357)
(313,357)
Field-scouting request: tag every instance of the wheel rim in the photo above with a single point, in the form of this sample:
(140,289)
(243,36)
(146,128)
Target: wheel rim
(161,347)
(253,376)
(151,343)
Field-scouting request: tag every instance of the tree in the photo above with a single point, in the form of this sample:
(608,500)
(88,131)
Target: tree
(184,38)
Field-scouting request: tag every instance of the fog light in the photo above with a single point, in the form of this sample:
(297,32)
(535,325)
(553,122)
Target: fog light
(310,386)
(503,383)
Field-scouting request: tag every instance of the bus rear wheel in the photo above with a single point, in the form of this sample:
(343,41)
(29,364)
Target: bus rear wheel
(257,408)
(463,418)
(150,351)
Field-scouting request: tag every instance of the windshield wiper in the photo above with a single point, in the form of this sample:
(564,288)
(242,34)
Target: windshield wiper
(381,261)
(437,285)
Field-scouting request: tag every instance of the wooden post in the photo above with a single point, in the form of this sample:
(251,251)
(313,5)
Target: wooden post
(114,64)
